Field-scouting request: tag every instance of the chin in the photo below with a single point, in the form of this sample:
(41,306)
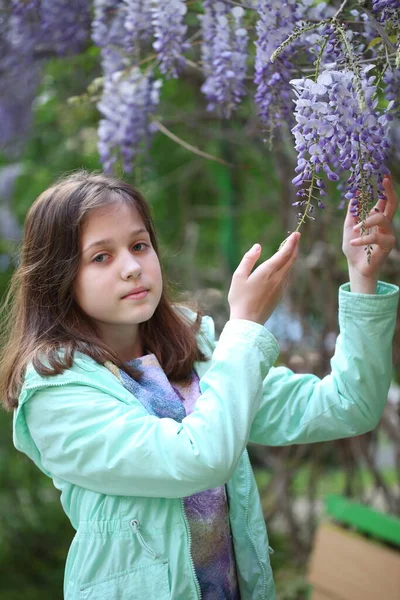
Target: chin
(145,313)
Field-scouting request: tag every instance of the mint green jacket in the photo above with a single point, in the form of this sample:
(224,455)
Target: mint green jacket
(122,472)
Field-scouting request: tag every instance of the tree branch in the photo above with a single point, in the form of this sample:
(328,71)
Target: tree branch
(189,147)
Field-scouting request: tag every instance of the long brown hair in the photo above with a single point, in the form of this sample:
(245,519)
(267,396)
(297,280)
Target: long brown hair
(42,316)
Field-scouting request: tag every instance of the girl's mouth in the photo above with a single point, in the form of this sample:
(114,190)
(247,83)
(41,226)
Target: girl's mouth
(136,296)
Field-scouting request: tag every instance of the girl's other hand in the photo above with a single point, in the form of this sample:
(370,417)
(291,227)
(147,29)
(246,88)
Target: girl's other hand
(380,234)
(255,295)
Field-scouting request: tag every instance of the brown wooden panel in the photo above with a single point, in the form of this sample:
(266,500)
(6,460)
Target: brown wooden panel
(346,566)
(318,594)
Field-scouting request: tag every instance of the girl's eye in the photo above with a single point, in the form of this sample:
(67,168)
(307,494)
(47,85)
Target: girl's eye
(139,247)
(140,244)
(98,256)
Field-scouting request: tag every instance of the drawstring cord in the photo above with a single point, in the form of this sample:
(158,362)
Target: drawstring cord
(135,525)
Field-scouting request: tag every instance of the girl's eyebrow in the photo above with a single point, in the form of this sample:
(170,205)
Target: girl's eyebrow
(110,241)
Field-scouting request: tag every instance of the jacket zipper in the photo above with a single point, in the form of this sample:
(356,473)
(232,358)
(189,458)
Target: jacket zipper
(190,546)
(248,528)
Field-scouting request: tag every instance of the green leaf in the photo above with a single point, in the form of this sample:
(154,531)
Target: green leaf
(373,42)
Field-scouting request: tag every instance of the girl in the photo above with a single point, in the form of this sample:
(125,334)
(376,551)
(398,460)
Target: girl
(142,420)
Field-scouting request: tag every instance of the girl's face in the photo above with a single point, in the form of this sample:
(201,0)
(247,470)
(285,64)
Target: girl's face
(116,259)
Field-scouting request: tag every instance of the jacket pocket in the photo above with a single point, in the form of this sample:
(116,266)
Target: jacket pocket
(146,581)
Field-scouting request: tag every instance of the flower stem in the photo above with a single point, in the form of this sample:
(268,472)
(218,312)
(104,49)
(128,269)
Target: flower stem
(308,203)
(319,58)
(353,64)
(340,9)
(294,36)
(363,202)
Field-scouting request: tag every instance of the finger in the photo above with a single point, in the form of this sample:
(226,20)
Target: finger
(248,261)
(385,242)
(352,209)
(381,204)
(287,267)
(284,253)
(286,270)
(376,219)
(391,203)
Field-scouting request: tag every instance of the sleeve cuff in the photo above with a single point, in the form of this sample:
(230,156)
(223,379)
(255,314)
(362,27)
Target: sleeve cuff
(253,333)
(384,301)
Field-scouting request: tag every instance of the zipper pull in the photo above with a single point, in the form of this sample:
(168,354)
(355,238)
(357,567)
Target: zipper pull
(135,526)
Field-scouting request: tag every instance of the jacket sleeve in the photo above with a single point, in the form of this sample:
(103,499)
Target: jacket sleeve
(298,409)
(92,439)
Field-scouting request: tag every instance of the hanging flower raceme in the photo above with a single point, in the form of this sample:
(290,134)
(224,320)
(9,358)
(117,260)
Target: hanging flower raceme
(273,96)
(169,32)
(314,137)
(129,99)
(334,134)
(109,33)
(29,32)
(65,25)
(224,56)
(364,153)
(138,19)
(129,96)
(335,139)
(391,89)
(20,70)
(386,11)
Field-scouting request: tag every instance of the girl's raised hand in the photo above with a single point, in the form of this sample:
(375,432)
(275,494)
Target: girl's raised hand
(380,235)
(255,295)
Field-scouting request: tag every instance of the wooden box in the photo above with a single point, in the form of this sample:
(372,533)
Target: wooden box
(345,565)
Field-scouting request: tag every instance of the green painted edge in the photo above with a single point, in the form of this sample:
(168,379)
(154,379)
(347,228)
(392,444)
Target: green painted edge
(365,519)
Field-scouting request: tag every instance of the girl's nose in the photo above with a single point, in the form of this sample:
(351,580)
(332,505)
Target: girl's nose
(130,267)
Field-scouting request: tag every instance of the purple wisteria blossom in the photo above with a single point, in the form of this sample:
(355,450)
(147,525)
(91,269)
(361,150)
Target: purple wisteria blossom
(333,133)
(273,96)
(386,11)
(138,19)
(140,37)
(313,13)
(30,32)
(20,72)
(169,32)
(129,96)
(129,99)
(109,33)
(391,88)
(367,33)
(52,26)
(65,25)
(394,140)
(224,55)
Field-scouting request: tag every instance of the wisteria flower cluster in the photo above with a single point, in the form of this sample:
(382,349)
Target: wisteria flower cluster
(128,100)
(130,96)
(276,21)
(30,31)
(138,19)
(169,34)
(386,10)
(328,72)
(224,55)
(333,137)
